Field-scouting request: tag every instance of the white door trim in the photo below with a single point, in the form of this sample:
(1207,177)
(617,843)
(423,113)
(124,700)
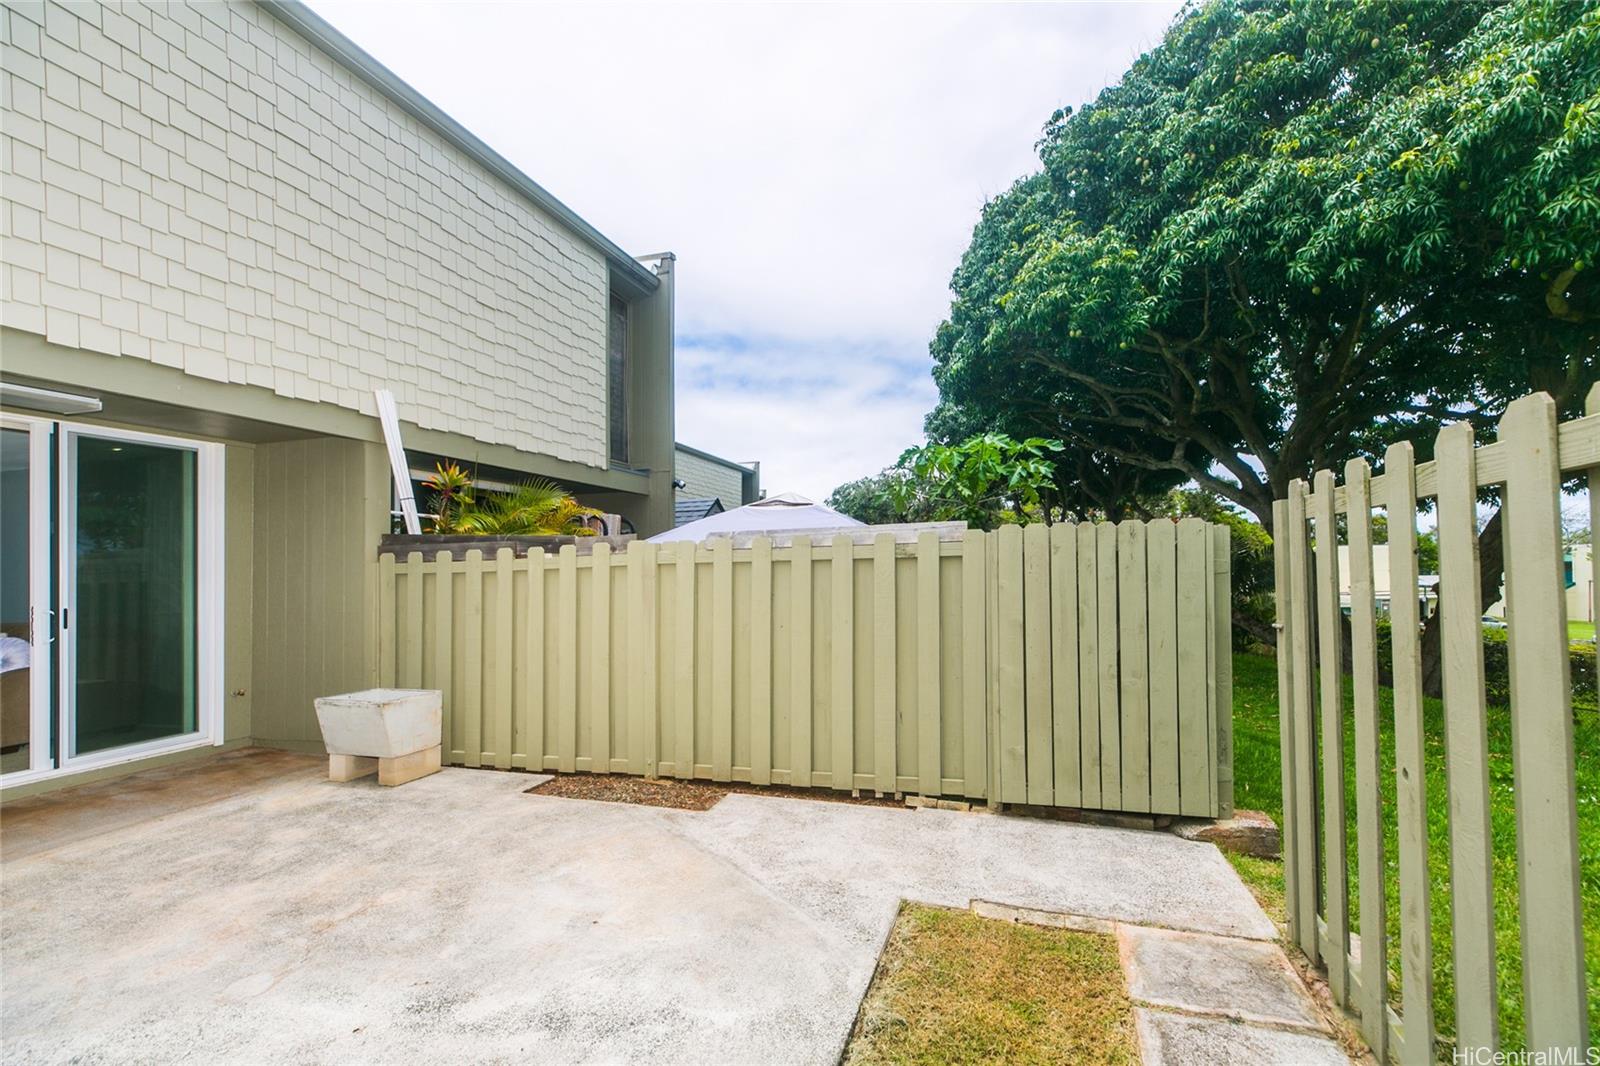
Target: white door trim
(209,606)
(41,629)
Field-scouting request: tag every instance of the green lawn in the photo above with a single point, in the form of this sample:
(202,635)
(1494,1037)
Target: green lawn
(1580,630)
(1258,785)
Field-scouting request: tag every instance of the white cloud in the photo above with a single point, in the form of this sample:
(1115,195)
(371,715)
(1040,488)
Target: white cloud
(817,168)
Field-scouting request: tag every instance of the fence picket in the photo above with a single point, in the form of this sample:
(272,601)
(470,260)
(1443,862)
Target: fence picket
(1466,743)
(761,661)
(1161,609)
(1009,666)
(1221,761)
(1066,756)
(566,708)
(1591,407)
(1555,1006)
(1282,598)
(502,647)
(974,681)
(1194,742)
(1110,717)
(444,634)
(533,663)
(722,659)
(1089,662)
(472,653)
(1039,708)
(930,696)
(1304,726)
(412,673)
(842,573)
(884,664)
(1369,818)
(599,687)
(683,583)
(1133,655)
(1335,889)
(387,611)
(1411,801)
(801,666)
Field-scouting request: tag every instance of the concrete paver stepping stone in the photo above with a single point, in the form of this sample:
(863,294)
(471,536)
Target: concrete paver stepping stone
(1168,1039)
(1244,979)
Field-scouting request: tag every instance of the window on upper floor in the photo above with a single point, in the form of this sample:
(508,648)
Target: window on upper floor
(617,378)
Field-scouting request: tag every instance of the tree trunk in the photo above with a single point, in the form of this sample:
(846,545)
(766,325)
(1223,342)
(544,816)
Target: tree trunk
(1491,572)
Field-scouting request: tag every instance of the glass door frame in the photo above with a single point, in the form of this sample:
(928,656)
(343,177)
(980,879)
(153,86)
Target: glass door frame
(41,618)
(209,607)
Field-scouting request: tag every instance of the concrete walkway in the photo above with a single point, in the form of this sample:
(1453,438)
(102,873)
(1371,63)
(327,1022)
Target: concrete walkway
(280,917)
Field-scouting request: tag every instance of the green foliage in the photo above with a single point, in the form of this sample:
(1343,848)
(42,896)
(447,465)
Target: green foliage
(987,480)
(1292,233)
(534,508)
(868,499)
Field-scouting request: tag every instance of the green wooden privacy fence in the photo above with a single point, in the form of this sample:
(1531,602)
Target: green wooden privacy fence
(1526,466)
(1075,666)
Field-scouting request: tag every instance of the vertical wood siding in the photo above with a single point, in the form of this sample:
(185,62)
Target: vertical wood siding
(994,667)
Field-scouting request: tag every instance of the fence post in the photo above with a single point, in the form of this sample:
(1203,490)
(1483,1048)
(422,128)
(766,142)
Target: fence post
(1541,732)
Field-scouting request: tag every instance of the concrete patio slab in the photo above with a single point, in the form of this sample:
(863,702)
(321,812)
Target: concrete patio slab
(292,918)
(1168,1039)
(1241,979)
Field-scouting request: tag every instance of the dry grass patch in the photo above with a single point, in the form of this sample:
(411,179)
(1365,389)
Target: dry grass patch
(955,988)
(685,795)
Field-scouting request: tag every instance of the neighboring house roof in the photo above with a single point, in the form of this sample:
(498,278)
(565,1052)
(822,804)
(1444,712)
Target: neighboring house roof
(788,512)
(686,511)
(314,29)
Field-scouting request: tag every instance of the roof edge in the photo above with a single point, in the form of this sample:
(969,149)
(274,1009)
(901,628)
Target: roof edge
(314,28)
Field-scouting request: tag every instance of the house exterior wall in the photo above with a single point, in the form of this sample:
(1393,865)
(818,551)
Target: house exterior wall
(198,186)
(706,476)
(320,507)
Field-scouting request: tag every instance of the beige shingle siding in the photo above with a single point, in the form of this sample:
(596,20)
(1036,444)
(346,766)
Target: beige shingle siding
(199,186)
(706,479)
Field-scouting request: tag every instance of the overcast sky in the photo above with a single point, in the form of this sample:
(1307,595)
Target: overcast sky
(817,168)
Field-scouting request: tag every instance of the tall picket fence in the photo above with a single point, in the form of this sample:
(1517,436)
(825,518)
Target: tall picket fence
(1073,666)
(1526,466)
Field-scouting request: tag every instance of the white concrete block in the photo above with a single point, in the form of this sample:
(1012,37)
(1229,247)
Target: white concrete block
(385,723)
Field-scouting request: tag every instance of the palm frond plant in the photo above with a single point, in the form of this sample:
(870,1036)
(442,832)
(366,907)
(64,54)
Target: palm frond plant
(538,508)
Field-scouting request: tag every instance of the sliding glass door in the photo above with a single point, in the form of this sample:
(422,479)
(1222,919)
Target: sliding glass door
(132,586)
(111,609)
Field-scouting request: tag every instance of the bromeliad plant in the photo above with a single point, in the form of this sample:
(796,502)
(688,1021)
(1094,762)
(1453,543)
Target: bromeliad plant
(537,508)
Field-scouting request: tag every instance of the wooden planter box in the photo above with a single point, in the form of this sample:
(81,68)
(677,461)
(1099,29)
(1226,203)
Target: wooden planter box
(431,544)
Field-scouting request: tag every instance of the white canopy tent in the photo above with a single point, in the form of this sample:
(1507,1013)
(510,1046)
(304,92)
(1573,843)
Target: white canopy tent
(788,512)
